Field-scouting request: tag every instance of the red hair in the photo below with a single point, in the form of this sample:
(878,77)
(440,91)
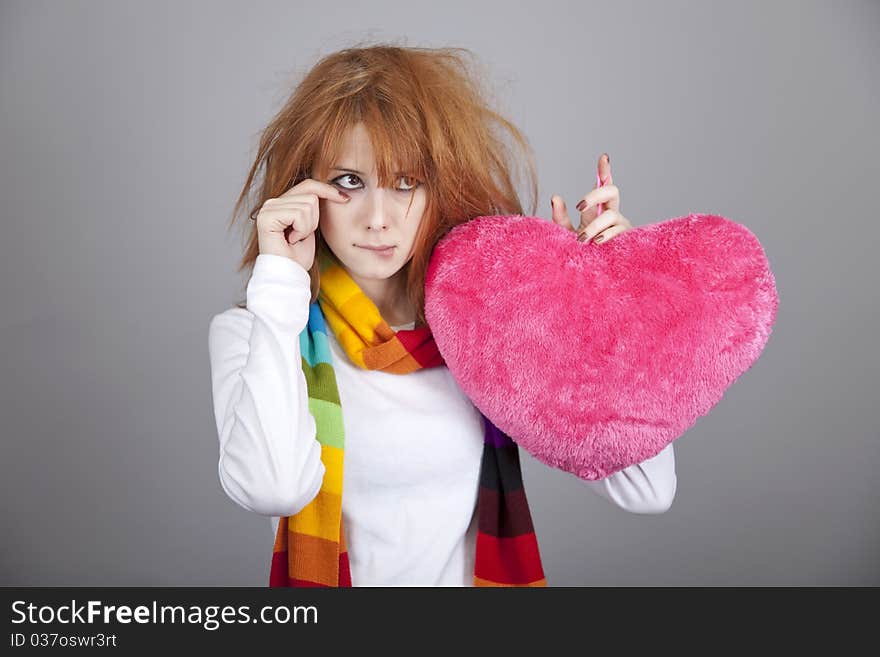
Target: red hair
(425,112)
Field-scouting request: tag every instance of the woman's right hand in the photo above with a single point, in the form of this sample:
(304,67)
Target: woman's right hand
(286,224)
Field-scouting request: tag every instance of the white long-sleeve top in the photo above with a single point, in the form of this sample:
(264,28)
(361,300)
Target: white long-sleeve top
(413,443)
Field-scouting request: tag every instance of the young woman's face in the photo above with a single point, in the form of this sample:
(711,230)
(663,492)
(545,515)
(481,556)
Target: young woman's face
(374,217)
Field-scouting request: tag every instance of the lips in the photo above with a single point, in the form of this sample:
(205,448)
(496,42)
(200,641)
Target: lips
(376,248)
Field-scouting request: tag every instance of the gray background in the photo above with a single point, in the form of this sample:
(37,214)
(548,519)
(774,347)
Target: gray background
(126,134)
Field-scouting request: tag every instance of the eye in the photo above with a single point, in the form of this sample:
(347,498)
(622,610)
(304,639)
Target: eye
(414,183)
(345,175)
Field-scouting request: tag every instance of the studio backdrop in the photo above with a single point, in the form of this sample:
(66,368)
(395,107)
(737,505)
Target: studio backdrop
(127,130)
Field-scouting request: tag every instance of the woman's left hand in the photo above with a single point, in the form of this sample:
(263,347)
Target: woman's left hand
(594,226)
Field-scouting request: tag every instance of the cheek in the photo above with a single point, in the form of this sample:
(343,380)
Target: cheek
(331,226)
(413,226)
(416,216)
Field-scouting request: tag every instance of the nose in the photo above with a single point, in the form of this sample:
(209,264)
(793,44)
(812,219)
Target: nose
(377,219)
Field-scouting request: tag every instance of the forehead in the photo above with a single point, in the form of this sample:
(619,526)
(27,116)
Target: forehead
(356,150)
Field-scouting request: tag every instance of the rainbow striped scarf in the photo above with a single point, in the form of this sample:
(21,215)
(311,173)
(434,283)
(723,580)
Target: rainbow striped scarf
(310,548)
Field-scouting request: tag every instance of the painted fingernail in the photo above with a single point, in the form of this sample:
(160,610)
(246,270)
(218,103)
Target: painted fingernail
(581,206)
(598,238)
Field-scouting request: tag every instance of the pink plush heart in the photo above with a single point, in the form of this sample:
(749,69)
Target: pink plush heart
(594,357)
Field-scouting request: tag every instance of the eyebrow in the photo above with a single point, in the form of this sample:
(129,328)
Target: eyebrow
(360,173)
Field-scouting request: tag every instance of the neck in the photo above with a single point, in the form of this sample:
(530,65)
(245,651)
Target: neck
(390,297)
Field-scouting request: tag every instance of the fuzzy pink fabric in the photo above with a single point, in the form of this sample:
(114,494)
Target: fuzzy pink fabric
(594,357)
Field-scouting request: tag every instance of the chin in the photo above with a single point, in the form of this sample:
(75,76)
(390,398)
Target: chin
(374,269)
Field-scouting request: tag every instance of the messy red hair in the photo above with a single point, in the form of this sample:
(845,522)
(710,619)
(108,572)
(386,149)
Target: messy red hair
(425,112)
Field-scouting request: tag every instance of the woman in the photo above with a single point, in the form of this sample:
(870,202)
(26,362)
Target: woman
(379,152)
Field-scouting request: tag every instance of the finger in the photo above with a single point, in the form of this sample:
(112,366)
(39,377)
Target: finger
(308,204)
(588,215)
(607,234)
(615,203)
(603,179)
(320,189)
(301,241)
(604,168)
(560,214)
(620,225)
(603,171)
(608,196)
(296,218)
(599,224)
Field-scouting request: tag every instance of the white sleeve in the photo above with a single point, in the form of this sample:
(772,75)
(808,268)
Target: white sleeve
(270,459)
(646,487)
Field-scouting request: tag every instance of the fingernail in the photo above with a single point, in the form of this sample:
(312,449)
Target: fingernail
(598,238)
(581,205)
(344,195)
